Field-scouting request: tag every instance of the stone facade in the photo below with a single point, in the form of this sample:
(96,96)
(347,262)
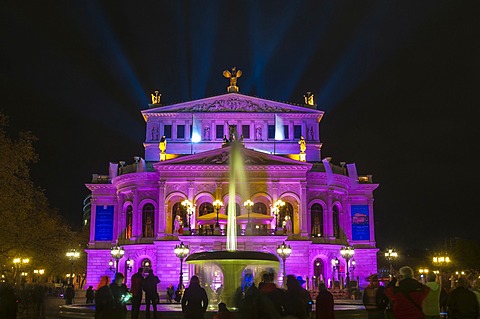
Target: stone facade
(326,206)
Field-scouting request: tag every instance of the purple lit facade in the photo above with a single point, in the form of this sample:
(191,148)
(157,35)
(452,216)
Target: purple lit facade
(326,206)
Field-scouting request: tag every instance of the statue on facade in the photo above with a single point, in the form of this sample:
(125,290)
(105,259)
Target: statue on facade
(232,130)
(154,133)
(303,145)
(309,100)
(258,133)
(177,225)
(288,224)
(163,145)
(233,76)
(156,97)
(311,134)
(206,133)
(148,231)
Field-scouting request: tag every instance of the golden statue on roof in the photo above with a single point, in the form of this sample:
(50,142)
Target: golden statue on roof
(233,76)
(156,97)
(309,99)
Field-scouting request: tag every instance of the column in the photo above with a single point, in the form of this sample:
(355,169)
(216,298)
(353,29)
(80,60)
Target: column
(304,220)
(119,216)
(329,214)
(137,217)
(347,221)
(162,214)
(93,214)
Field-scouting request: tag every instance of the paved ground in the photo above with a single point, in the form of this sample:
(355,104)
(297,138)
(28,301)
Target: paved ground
(343,309)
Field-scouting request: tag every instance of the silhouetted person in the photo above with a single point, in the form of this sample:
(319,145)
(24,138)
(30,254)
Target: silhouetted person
(151,295)
(170,293)
(90,295)
(462,303)
(374,299)
(137,291)
(8,301)
(324,303)
(223,312)
(271,300)
(297,299)
(195,300)
(69,294)
(119,291)
(104,303)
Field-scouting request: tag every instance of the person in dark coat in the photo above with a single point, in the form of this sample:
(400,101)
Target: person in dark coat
(195,300)
(271,300)
(136,288)
(151,295)
(374,299)
(90,295)
(408,297)
(170,293)
(69,294)
(462,303)
(104,303)
(324,303)
(297,299)
(120,296)
(8,301)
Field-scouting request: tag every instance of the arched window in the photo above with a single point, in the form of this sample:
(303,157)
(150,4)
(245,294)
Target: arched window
(286,218)
(148,220)
(318,271)
(178,210)
(259,208)
(205,208)
(316,213)
(237,210)
(128,222)
(336,222)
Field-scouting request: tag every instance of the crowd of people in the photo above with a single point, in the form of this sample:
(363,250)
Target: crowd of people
(404,297)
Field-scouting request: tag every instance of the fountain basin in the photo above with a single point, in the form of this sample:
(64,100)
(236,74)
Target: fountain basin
(232,265)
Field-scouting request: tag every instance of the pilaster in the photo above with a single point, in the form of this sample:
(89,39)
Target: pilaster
(161,215)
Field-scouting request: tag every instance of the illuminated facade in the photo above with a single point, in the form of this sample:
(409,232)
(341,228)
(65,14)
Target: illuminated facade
(142,206)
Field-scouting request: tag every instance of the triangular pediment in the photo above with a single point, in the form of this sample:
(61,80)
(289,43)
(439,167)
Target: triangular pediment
(221,157)
(231,102)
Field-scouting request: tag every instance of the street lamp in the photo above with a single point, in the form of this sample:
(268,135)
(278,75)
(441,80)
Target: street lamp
(72,254)
(248,204)
(128,267)
(391,255)
(190,210)
(217,204)
(18,262)
(335,266)
(284,252)
(181,251)
(276,211)
(347,253)
(38,272)
(117,253)
(441,261)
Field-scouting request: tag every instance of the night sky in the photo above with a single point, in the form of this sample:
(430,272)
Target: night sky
(398,81)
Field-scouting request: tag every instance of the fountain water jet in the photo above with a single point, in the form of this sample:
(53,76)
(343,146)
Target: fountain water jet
(233,262)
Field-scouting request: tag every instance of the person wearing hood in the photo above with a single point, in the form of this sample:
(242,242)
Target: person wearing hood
(408,296)
(431,304)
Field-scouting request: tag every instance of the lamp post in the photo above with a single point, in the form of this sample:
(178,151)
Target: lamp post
(276,211)
(117,253)
(217,204)
(73,255)
(248,204)
(335,266)
(347,253)
(18,262)
(190,210)
(128,267)
(391,255)
(39,273)
(181,251)
(284,252)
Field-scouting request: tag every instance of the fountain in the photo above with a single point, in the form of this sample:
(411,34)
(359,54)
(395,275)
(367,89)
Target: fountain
(233,262)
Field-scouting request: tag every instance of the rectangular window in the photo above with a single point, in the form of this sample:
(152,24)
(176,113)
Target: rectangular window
(246,131)
(180,131)
(285,132)
(167,131)
(297,131)
(271,131)
(219,131)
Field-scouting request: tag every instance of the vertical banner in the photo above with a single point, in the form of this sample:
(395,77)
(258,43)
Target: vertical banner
(104,223)
(360,222)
